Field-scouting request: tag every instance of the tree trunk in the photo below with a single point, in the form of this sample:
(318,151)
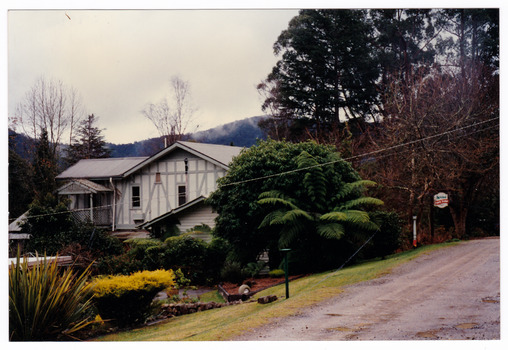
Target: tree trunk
(459,216)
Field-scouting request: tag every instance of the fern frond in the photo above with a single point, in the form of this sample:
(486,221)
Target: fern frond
(334,216)
(352,216)
(349,188)
(331,230)
(353,203)
(290,233)
(278,201)
(294,215)
(270,218)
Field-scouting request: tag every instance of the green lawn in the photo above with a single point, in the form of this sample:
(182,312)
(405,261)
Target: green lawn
(229,322)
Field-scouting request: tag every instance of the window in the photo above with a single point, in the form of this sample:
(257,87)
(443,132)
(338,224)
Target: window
(182,195)
(135,197)
(158,178)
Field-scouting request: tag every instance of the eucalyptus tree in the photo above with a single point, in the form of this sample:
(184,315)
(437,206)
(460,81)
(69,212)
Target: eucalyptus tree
(326,70)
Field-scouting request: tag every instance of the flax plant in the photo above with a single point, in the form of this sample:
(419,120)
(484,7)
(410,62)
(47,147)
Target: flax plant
(46,302)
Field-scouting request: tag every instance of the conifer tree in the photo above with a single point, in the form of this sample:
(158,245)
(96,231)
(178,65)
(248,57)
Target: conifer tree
(88,143)
(44,167)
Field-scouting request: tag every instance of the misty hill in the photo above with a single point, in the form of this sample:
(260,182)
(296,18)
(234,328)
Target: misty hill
(243,133)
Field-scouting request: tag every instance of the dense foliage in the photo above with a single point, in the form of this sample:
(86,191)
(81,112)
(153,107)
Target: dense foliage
(417,89)
(52,228)
(46,302)
(201,262)
(298,194)
(127,299)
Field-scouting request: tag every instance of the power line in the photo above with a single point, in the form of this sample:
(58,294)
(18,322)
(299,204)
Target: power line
(363,154)
(367,154)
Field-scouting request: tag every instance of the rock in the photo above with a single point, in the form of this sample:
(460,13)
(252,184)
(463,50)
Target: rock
(267,299)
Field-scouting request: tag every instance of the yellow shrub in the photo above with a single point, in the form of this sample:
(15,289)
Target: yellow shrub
(126,299)
(143,280)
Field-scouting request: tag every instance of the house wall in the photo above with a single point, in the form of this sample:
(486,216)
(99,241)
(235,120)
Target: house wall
(197,215)
(157,198)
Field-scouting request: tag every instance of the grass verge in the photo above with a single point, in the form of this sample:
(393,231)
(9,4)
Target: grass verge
(230,322)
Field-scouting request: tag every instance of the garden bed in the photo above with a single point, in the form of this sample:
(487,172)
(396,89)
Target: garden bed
(229,290)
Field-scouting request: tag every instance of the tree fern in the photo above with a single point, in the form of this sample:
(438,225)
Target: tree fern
(350,188)
(332,230)
(294,221)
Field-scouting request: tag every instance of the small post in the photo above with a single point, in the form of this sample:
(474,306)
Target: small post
(414,231)
(286,269)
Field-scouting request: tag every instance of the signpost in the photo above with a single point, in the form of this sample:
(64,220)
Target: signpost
(414,231)
(286,272)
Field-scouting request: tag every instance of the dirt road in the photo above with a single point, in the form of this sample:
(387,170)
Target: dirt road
(451,293)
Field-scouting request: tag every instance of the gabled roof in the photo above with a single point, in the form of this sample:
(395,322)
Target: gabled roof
(100,168)
(106,168)
(77,186)
(217,154)
(172,212)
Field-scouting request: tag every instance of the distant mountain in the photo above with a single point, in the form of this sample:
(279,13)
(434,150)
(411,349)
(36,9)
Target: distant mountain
(21,144)
(243,133)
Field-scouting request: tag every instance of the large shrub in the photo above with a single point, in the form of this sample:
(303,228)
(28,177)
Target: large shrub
(127,299)
(201,262)
(45,301)
(311,201)
(53,230)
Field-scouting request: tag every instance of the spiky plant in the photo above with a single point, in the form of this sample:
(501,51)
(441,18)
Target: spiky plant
(45,301)
(322,212)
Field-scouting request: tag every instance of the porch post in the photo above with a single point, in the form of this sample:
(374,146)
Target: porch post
(91,207)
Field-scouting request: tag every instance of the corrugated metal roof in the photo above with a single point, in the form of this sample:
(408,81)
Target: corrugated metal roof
(218,154)
(82,186)
(100,168)
(221,153)
(118,167)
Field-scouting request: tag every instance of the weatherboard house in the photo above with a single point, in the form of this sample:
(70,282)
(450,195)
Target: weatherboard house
(135,194)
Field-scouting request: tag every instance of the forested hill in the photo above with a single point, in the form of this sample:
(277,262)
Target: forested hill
(243,133)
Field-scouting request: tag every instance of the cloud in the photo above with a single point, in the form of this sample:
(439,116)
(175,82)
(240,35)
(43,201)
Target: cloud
(120,60)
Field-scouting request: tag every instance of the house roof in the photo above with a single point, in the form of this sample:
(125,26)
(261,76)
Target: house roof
(15,226)
(217,154)
(221,153)
(121,167)
(82,186)
(100,168)
(172,212)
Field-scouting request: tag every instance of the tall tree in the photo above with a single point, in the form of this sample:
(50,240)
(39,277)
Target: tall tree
(44,167)
(172,116)
(326,72)
(88,143)
(404,38)
(474,36)
(51,106)
(448,124)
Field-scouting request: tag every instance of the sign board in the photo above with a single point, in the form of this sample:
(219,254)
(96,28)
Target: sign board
(441,200)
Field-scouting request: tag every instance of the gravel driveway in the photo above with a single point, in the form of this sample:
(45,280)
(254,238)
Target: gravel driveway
(451,293)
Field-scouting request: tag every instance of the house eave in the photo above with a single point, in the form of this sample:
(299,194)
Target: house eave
(170,213)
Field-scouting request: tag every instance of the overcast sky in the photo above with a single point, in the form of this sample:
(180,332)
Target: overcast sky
(120,60)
